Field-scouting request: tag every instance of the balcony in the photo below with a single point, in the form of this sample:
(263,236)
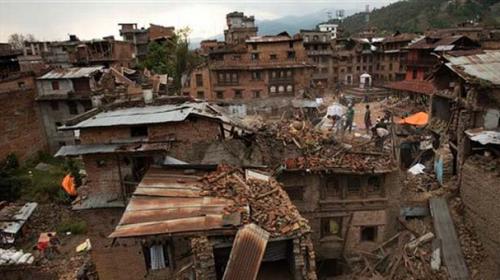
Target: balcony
(283,80)
(258,64)
(425,62)
(319,52)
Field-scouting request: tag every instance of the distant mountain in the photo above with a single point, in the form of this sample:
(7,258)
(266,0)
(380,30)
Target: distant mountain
(420,15)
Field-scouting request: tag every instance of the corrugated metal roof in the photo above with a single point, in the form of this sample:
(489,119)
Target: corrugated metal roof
(71,73)
(170,203)
(14,222)
(149,115)
(444,48)
(482,66)
(77,150)
(246,256)
(484,136)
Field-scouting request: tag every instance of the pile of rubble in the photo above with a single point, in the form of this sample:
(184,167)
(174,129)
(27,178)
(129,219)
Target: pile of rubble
(407,255)
(271,208)
(472,248)
(306,147)
(203,251)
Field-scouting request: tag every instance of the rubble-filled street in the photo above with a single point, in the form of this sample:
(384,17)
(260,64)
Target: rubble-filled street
(308,141)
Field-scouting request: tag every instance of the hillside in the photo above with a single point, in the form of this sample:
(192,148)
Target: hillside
(420,15)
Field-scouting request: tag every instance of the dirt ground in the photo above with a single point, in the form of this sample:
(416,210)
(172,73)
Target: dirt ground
(67,262)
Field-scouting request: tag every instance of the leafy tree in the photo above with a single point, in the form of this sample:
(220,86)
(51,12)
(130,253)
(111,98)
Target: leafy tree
(172,57)
(17,40)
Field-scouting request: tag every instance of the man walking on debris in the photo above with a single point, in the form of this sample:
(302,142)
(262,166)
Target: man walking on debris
(349,118)
(368,119)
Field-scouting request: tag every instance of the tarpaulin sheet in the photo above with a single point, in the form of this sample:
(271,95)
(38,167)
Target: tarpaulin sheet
(420,118)
(68,184)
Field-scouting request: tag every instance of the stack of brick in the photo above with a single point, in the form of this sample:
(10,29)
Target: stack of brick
(271,208)
(305,147)
(204,261)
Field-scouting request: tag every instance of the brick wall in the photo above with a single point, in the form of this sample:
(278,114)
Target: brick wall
(480,194)
(188,135)
(315,207)
(125,259)
(21,130)
(17,84)
(104,178)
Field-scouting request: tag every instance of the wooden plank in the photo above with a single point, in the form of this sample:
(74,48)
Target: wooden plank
(445,230)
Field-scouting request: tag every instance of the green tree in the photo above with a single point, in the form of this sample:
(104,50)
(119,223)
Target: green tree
(172,57)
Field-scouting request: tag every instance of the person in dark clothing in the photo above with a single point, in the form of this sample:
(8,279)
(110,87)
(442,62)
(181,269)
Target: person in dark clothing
(349,118)
(368,119)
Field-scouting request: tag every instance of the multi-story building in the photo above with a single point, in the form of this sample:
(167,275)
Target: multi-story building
(421,59)
(75,52)
(141,37)
(63,94)
(239,28)
(382,58)
(262,66)
(319,51)
(332,26)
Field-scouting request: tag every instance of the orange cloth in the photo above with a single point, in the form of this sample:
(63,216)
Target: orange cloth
(68,184)
(419,118)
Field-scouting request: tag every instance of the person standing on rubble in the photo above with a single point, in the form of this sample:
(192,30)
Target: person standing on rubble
(349,118)
(379,134)
(368,119)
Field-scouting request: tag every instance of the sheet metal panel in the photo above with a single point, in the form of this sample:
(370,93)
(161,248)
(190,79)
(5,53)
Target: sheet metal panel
(483,66)
(171,226)
(71,73)
(159,215)
(246,256)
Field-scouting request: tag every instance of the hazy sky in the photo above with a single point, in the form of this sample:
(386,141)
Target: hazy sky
(54,20)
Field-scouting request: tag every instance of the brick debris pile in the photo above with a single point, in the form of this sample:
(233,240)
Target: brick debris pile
(270,206)
(302,146)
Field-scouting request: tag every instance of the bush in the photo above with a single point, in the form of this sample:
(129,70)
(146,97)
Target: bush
(75,227)
(10,185)
(44,186)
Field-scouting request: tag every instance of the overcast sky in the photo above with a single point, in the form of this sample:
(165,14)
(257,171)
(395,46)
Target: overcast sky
(54,20)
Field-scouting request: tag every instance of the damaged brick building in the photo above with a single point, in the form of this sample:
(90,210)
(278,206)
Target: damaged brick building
(20,120)
(63,94)
(348,191)
(202,224)
(75,52)
(141,37)
(465,116)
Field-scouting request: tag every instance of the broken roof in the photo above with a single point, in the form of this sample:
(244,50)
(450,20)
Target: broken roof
(71,73)
(482,66)
(151,115)
(170,202)
(417,86)
(12,219)
(88,149)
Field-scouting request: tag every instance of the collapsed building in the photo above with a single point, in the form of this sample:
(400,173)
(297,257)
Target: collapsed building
(224,224)
(348,189)
(141,37)
(465,116)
